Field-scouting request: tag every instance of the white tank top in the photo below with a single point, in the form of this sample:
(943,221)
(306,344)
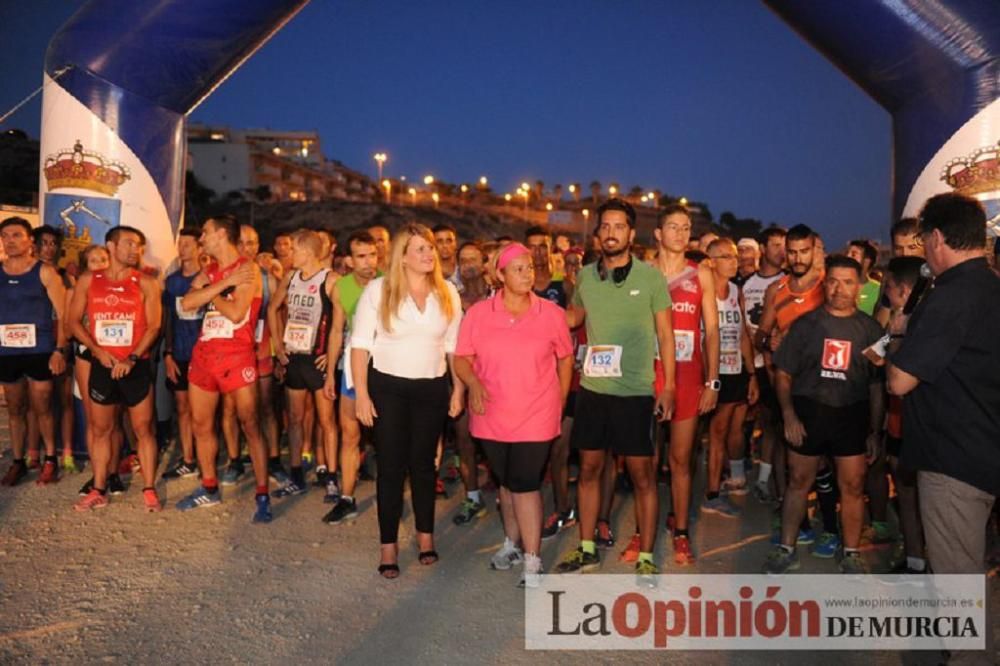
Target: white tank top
(730,332)
(753,303)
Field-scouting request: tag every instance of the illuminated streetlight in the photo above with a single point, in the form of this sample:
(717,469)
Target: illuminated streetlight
(572,189)
(380,159)
(413,195)
(388,190)
(548,206)
(507,197)
(684,201)
(524,193)
(612,190)
(428,180)
(525,187)
(464,188)
(586,213)
(435,198)
(482,181)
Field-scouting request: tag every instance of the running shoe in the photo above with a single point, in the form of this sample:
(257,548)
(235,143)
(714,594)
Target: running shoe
(735,487)
(805,538)
(151,500)
(289,489)
(904,569)
(199,499)
(558,521)
(578,561)
(646,573)
(115,485)
(232,474)
(439,490)
(262,514)
(780,561)
(50,474)
(92,500)
(853,564)
(469,511)
(129,464)
(604,538)
(332,495)
(631,552)
(87,487)
(720,506)
(69,464)
(343,511)
(531,576)
(762,493)
(181,470)
(826,545)
(682,551)
(505,558)
(15,473)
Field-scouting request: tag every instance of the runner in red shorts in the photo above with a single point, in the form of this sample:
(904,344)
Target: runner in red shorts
(692,292)
(224,359)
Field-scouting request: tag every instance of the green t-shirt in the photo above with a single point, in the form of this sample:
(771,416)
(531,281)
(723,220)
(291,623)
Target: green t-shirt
(868,297)
(623,315)
(350,293)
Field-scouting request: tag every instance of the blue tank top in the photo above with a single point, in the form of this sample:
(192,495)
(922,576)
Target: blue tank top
(186,326)
(26,315)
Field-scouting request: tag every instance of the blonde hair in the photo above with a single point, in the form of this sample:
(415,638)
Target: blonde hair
(308,238)
(394,287)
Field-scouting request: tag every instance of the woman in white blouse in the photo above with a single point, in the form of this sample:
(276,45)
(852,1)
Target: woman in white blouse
(406,325)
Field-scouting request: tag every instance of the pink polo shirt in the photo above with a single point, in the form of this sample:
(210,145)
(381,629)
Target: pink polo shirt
(515,359)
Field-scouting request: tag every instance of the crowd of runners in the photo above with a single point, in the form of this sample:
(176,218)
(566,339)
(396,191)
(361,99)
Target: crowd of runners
(767,366)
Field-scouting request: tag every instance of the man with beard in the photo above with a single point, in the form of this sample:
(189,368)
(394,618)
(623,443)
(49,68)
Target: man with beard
(626,307)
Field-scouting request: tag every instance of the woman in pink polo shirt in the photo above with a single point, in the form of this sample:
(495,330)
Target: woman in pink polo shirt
(515,356)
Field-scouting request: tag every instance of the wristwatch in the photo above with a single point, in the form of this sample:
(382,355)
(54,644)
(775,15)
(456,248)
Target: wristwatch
(714,385)
(133,359)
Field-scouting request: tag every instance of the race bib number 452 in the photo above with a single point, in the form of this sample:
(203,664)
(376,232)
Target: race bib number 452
(19,336)
(603,361)
(216,326)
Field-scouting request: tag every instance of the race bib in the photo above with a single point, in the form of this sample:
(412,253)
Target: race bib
(114,332)
(730,363)
(18,336)
(258,333)
(185,315)
(298,337)
(683,345)
(216,326)
(603,361)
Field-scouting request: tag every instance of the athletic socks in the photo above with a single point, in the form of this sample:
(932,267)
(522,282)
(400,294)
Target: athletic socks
(645,557)
(475,496)
(736,470)
(211,486)
(765,473)
(588,546)
(261,490)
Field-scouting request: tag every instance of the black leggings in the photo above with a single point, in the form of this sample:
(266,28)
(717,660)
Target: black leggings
(411,416)
(518,466)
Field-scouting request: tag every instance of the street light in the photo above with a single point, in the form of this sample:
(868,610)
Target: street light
(428,180)
(435,198)
(572,189)
(507,197)
(388,190)
(464,188)
(612,190)
(413,195)
(525,187)
(548,206)
(380,159)
(683,201)
(482,181)
(524,193)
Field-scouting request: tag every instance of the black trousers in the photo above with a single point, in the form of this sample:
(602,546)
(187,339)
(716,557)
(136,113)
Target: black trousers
(411,416)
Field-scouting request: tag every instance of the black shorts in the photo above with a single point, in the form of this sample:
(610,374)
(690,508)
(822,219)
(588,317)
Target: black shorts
(622,425)
(301,373)
(182,377)
(35,367)
(570,409)
(734,388)
(518,466)
(893,445)
(833,431)
(768,398)
(130,390)
(83,353)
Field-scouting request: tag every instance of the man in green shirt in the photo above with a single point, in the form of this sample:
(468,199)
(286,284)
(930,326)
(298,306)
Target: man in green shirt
(626,307)
(865,253)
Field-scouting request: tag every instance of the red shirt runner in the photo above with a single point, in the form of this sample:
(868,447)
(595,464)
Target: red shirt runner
(116,313)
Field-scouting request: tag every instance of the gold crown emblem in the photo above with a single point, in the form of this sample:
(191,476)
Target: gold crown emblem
(977,173)
(84,169)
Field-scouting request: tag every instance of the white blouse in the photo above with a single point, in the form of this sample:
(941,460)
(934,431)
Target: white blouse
(418,342)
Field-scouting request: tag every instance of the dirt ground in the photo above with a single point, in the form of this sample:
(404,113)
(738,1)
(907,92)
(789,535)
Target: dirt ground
(123,586)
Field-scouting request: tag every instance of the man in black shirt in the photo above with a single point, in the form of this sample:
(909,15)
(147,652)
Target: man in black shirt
(831,403)
(948,369)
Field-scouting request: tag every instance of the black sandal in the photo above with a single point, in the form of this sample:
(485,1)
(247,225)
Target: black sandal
(388,571)
(428,557)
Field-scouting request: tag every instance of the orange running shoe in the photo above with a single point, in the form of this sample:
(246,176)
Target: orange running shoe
(50,474)
(682,551)
(631,552)
(92,500)
(151,500)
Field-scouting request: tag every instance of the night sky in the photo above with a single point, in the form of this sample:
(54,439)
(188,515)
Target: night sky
(716,101)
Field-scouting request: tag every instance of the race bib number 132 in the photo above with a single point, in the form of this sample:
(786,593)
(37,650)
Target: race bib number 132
(603,361)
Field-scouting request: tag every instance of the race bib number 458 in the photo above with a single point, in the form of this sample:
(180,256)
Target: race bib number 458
(19,336)
(603,361)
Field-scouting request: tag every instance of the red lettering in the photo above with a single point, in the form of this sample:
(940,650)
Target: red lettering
(662,629)
(619,615)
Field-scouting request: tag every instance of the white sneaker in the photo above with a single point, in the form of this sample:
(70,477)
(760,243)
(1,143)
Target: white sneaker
(508,556)
(532,574)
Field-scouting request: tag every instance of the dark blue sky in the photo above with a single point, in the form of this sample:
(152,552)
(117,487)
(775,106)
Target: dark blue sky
(717,101)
